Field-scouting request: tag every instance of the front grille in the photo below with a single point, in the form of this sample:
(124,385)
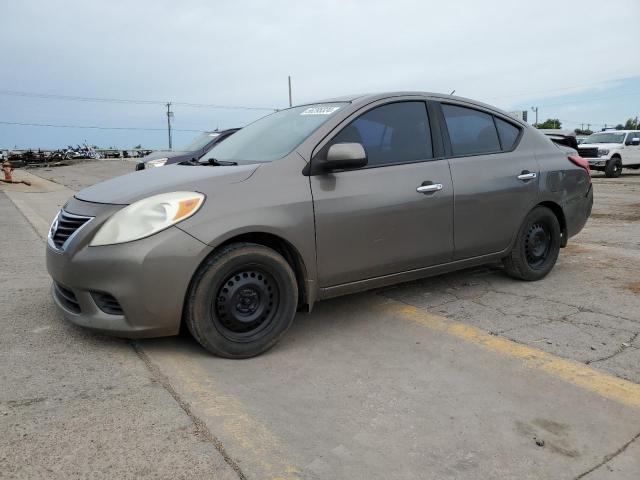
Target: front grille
(589,152)
(66,297)
(66,225)
(107,303)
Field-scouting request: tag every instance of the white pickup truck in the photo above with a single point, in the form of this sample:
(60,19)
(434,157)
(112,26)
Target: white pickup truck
(611,151)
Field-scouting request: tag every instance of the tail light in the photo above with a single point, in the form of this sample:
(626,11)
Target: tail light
(582,163)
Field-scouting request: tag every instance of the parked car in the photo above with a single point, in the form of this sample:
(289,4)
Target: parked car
(194,151)
(611,151)
(309,203)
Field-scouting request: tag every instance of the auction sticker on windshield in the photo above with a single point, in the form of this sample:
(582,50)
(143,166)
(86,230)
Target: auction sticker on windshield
(319,110)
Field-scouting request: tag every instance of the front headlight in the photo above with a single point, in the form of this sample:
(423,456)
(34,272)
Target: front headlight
(602,152)
(148,216)
(158,162)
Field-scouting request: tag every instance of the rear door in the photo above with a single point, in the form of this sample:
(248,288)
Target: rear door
(373,221)
(495,182)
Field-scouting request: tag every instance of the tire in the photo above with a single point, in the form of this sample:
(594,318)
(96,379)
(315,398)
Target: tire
(537,246)
(241,301)
(613,169)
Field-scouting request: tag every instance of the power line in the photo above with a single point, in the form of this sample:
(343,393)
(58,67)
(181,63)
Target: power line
(222,107)
(595,124)
(74,98)
(95,127)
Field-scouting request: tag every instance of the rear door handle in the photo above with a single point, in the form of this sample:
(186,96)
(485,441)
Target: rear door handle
(524,176)
(432,187)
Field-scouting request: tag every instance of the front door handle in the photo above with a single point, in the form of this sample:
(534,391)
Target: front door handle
(430,188)
(526,175)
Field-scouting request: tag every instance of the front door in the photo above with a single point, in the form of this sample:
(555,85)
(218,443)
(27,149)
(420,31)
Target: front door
(495,182)
(373,221)
(631,154)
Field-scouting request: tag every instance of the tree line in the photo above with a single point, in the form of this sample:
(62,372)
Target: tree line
(551,123)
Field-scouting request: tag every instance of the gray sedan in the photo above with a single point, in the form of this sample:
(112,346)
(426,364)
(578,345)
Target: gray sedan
(312,202)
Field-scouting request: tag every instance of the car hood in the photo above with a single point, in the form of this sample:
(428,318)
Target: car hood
(173,178)
(600,145)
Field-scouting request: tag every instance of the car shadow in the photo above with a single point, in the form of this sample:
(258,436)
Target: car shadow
(347,315)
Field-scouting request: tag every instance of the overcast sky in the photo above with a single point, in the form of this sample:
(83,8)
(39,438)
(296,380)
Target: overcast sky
(576,60)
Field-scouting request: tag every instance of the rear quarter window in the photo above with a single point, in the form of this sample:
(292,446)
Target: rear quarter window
(508,134)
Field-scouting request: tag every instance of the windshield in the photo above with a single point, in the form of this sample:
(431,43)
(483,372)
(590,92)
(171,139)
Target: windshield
(605,138)
(274,136)
(200,141)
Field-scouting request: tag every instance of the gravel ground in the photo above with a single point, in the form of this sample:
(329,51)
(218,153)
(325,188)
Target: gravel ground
(83,174)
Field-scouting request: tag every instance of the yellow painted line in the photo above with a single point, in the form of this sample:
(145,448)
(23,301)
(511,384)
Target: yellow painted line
(579,374)
(259,445)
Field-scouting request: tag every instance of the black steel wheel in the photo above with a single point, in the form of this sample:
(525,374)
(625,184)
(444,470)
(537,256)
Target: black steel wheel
(241,301)
(537,246)
(246,303)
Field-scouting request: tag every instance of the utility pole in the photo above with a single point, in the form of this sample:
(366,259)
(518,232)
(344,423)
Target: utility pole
(535,109)
(589,126)
(290,100)
(169,116)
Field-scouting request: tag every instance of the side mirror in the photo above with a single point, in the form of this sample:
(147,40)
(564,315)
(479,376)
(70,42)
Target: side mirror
(345,155)
(635,141)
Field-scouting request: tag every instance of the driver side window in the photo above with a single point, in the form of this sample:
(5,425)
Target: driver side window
(630,137)
(391,134)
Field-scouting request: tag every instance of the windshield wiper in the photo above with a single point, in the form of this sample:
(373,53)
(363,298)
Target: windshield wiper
(221,163)
(192,162)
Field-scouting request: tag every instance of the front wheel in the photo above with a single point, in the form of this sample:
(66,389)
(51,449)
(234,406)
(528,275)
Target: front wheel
(537,246)
(241,301)
(613,168)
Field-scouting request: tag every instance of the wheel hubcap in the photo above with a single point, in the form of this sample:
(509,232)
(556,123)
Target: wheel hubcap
(537,245)
(246,302)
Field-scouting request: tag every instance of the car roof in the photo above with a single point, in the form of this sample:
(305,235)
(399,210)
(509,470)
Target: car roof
(615,131)
(558,131)
(222,131)
(365,98)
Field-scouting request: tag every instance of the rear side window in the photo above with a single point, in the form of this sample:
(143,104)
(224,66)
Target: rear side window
(393,133)
(631,136)
(470,131)
(508,134)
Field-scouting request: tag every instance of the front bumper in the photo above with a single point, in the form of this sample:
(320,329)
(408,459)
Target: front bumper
(597,162)
(148,279)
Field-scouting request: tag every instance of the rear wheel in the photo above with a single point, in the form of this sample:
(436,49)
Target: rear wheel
(537,246)
(613,169)
(242,300)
